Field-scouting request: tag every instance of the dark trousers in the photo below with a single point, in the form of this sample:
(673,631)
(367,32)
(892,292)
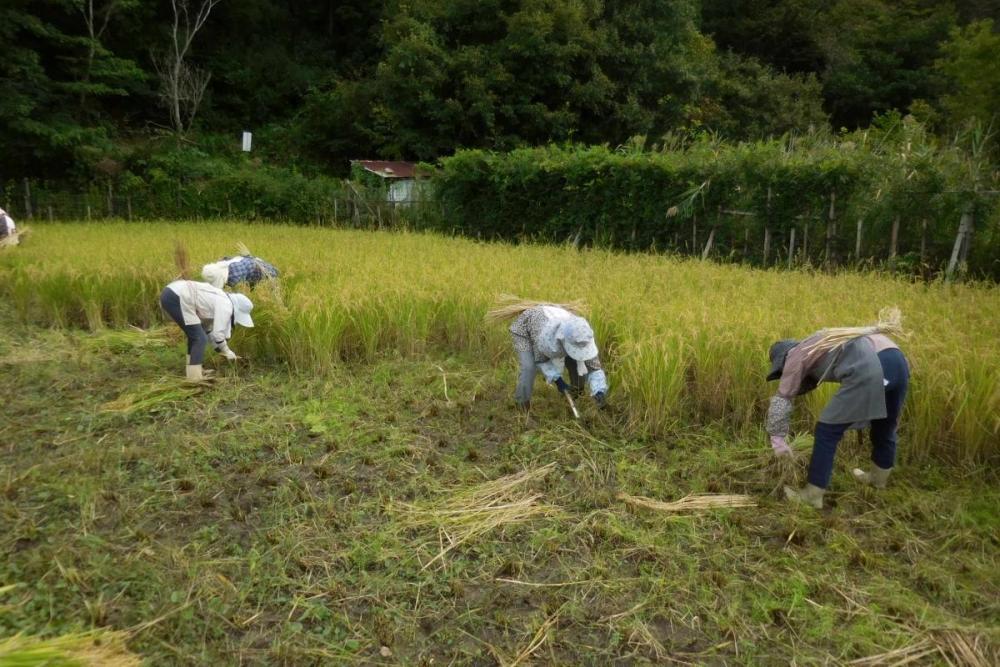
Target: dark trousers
(883,431)
(196,338)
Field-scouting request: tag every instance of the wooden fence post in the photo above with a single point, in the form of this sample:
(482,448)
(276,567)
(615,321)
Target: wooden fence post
(767,226)
(128,205)
(805,241)
(893,239)
(963,237)
(791,247)
(27,199)
(857,242)
(694,233)
(923,240)
(111,200)
(51,217)
(831,229)
(88,211)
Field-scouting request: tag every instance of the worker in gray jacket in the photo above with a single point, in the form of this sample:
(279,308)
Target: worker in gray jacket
(874,377)
(549,338)
(205,313)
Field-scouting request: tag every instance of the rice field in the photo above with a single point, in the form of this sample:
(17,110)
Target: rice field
(685,342)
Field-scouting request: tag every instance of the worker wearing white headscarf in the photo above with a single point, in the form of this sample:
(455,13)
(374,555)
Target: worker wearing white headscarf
(205,313)
(544,337)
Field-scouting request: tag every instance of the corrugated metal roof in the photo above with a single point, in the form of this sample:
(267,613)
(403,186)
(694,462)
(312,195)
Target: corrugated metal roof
(387,168)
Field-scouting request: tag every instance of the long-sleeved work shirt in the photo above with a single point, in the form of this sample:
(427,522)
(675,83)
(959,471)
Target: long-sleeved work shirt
(527,332)
(855,365)
(206,305)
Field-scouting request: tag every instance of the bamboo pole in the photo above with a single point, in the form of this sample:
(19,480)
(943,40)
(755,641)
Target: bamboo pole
(791,247)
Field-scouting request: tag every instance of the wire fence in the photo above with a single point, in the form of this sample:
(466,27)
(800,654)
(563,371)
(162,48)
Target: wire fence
(354,209)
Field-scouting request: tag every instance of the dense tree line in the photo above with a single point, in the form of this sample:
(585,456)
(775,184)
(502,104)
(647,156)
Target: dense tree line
(89,87)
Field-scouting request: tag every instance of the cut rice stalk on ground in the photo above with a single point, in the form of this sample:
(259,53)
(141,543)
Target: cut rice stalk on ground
(691,503)
(471,513)
(153,396)
(93,649)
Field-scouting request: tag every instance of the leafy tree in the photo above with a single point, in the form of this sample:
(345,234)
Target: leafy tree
(969,62)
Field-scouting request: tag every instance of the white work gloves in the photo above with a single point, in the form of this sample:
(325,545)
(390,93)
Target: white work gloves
(223,349)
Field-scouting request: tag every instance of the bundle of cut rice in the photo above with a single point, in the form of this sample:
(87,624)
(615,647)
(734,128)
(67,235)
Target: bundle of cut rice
(890,322)
(691,503)
(509,306)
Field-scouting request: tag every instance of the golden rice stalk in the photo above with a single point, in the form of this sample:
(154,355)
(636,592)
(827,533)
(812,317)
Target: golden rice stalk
(509,306)
(152,396)
(242,249)
(958,648)
(92,649)
(690,503)
(181,260)
(890,322)
(899,656)
(966,650)
(132,338)
(471,513)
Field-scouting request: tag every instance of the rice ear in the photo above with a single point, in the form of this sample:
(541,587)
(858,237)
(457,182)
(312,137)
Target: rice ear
(509,306)
(242,249)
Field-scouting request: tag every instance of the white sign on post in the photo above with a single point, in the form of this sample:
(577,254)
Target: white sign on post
(247,138)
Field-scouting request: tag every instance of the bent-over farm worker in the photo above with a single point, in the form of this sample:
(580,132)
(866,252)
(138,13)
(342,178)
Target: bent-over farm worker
(873,374)
(8,230)
(244,268)
(205,313)
(548,338)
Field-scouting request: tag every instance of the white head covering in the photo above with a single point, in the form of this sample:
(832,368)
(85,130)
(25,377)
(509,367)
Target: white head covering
(569,336)
(241,309)
(578,341)
(216,274)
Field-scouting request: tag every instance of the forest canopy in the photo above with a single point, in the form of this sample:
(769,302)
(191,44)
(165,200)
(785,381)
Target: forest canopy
(85,82)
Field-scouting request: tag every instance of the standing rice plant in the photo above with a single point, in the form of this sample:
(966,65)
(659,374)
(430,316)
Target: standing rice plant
(683,341)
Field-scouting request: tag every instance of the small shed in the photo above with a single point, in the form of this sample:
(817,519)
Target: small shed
(400,177)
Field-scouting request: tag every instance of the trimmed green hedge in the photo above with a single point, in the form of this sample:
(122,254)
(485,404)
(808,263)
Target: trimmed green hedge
(673,200)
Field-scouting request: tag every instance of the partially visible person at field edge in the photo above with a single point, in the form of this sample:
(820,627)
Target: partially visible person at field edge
(874,376)
(8,230)
(243,268)
(205,313)
(549,338)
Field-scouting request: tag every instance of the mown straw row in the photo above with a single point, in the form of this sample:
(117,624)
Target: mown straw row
(471,513)
(956,648)
(152,396)
(92,649)
(691,503)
